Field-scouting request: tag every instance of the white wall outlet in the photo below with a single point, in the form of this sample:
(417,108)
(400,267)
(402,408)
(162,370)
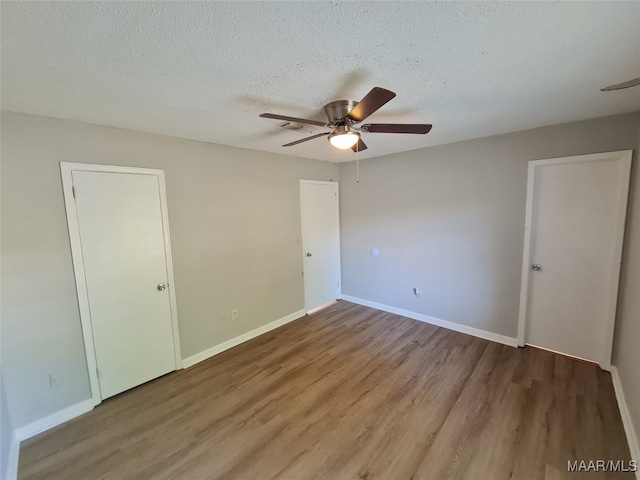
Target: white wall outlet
(234,314)
(55,380)
(416,292)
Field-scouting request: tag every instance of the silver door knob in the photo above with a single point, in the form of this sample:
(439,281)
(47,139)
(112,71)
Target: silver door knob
(536,267)
(308,254)
(161,287)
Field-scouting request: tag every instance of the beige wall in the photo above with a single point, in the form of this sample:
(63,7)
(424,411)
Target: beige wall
(449,220)
(234,217)
(627,342)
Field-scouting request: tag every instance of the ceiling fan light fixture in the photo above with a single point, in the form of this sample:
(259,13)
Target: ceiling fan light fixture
(343,138)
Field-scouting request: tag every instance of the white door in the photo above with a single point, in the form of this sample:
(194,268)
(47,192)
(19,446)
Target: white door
(577,209)
(123,249)
(320,242)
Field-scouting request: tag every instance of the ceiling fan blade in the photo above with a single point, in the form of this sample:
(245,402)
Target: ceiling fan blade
(360,146)
(419,128)
(620,86)
(371,102)
(292,119)
(306,139)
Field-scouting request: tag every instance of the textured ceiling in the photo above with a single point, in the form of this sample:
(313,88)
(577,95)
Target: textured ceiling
(206,70)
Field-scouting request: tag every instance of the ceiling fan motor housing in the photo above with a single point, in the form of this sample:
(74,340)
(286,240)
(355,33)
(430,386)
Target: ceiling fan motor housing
(337,111)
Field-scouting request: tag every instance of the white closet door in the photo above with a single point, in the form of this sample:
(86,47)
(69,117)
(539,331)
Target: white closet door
(577,221)
(321,242)
(122,240)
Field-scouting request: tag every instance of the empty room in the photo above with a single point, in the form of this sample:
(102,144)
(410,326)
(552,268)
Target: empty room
(320,240)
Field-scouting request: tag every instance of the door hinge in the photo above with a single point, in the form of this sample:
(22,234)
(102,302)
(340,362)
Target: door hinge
(97,372)
(73,190)
(335,195)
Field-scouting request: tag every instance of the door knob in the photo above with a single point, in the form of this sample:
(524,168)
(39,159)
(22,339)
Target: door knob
(536,267)
(161,287)
(308,254)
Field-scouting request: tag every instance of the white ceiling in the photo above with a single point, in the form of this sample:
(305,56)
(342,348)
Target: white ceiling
(206,70)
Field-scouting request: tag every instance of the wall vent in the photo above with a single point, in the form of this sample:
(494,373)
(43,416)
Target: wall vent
(296,127)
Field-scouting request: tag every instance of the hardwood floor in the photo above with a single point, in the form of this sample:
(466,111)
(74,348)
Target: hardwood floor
(348,392)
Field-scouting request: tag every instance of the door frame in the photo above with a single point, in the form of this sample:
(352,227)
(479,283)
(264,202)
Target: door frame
(623,156)
(304,262)
(66,169)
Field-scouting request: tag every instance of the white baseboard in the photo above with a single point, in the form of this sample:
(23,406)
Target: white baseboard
(629,428)
(53,420)
(34,428)
(476,332)
(210,352)
(12,462)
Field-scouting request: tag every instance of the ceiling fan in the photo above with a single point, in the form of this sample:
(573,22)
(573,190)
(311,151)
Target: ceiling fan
(619,86)
(344,115)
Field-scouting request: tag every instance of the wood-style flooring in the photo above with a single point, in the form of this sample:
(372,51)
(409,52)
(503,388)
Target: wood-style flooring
(348,393)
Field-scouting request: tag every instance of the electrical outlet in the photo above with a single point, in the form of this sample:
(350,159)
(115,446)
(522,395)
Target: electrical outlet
(55,380)
(234,314)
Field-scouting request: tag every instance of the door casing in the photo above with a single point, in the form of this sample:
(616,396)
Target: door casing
(66,169)
(623,156)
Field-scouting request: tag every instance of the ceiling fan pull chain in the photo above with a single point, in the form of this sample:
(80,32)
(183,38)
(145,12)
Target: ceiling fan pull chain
(358,163)
(330,163)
